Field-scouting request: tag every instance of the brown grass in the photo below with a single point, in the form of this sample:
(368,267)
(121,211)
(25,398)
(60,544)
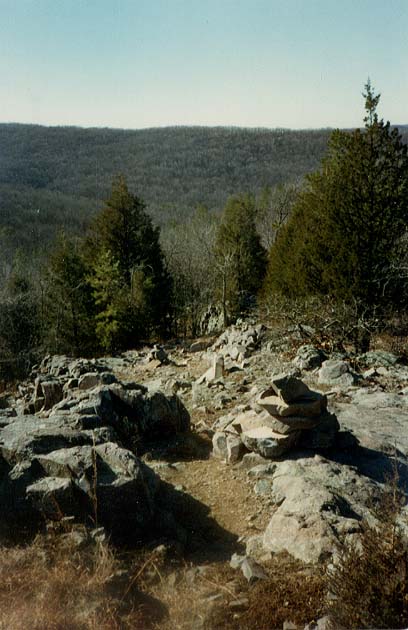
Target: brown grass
(52,585)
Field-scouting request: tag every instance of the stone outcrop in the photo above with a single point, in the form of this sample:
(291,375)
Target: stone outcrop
(320,503)
(76,458)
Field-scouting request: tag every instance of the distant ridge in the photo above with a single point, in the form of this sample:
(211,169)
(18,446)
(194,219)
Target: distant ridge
(52,177)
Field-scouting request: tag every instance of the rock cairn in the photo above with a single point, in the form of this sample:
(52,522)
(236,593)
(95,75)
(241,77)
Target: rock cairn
(286,415)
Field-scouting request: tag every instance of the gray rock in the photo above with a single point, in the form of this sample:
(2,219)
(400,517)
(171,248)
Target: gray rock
(262,470)
(254,546)
(308,357)
(53,497)
(376,358)
(108,479)
(89,380)
(267,443)
(252,570)
(214,373)
(263,487)
(235,449)
(311,406)
(236,561)
(289,388)
(157,353)
(220,445)
(27,436)
(250,460)
(320,502)
(322,436)
(49,392)
(335,372)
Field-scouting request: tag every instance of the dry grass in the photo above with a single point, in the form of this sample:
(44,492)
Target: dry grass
(53,585)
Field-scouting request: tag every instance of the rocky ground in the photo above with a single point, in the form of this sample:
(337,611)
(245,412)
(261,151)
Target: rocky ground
(244,456)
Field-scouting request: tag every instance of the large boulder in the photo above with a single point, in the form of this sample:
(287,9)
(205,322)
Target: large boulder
(320,502)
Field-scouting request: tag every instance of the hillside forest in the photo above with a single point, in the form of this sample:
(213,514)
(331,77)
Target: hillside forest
(110,238)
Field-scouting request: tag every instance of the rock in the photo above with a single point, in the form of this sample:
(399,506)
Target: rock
(308,357)
(49,393)
(263,487)
(310,406)
(262,470)
(214,373)
(376,358)
(254,546)
(381,429)
(323,435)
(27,436)
(370,373)
(200,345)
(235,449)
(220,445)
(124,486)
(267,443)
(252,570)
(288,424)
(53,497)
(249,460)
(320,502)
(378,400)
(335,372)
(89,380)
(236,561)
(289,388)
(157,353)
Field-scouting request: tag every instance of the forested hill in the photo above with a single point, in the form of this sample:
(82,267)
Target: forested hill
(57,176)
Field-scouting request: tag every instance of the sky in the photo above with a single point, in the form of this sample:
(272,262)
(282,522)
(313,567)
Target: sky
(251,63)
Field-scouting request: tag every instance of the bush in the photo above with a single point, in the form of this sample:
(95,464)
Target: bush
(369,585)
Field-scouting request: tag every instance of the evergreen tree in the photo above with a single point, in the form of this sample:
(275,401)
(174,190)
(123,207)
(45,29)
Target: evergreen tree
(125,246)
(69,309)
(347,223)
(240,257)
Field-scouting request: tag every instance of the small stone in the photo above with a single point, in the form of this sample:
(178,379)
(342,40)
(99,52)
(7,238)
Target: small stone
(252,570)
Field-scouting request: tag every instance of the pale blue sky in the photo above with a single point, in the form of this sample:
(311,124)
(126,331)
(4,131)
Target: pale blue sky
(147,63)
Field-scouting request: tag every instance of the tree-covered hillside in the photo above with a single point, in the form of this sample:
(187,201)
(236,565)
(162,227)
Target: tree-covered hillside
(53,177)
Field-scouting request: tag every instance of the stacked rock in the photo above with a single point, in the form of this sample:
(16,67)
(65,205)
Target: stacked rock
(292,415)
(295,413)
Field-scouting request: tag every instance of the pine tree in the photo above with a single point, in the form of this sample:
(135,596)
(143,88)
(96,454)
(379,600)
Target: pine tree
(347,223)
(123,237)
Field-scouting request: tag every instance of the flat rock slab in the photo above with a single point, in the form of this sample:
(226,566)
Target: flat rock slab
(266,442)
(382,430)
(309,407)
(27,436)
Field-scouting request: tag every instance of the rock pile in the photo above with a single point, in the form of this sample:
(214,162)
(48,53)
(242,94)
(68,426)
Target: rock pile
(290,415)
(238,342)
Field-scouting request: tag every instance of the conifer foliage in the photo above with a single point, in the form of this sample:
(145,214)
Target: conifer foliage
(239,256)
(348,222)
(131,286)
